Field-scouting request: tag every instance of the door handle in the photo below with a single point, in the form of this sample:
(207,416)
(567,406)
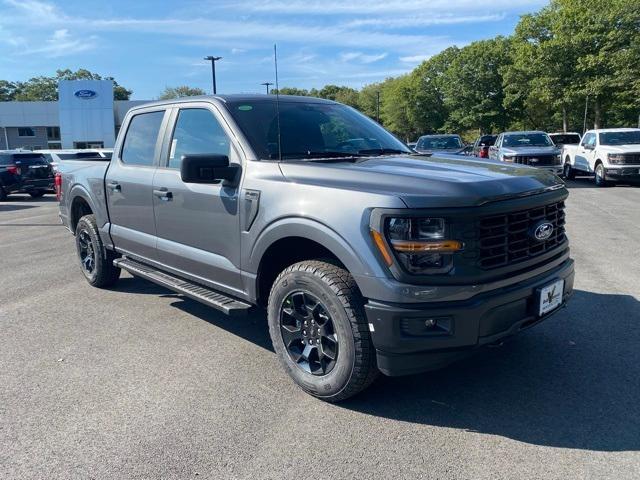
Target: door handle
(114,186)
(163,194)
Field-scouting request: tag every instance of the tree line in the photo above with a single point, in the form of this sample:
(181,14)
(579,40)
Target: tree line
(571,57)
(45,89)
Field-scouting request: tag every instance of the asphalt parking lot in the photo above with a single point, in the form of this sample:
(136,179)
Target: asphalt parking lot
(136,382)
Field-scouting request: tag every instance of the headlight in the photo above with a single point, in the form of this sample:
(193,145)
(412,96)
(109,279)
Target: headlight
(507,158)
(420,244)
(615,158)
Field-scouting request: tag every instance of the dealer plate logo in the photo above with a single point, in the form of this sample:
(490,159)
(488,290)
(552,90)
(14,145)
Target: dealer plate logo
(86,94)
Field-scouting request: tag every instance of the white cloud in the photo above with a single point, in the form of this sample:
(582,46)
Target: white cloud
(61,43)
(362,57)
(415,58)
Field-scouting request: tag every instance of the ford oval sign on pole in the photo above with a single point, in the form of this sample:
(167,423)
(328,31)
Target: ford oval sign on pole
(86,94)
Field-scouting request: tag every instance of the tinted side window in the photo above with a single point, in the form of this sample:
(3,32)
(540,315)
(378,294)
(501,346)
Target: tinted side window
(589,139)
(197,131)
(140,141)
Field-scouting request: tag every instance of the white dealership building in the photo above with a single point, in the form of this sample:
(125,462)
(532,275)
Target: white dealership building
(85,116)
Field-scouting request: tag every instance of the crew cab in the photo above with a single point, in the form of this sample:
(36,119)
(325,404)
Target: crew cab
(367,259)
(610,155)
(531,148)
(24,172)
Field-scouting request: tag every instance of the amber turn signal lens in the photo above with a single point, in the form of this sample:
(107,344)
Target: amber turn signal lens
(442,246)
(379,241)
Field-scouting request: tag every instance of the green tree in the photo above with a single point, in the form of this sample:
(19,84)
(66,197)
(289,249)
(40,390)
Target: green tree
(472,85)
(8,90)
(428,107)
(181,91)
(46,88)
(291,91)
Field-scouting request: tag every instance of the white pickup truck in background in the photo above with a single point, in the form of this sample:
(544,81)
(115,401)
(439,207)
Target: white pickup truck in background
(611,155)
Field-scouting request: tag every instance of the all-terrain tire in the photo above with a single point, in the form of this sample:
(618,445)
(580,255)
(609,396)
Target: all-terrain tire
(354,368)
(101,273)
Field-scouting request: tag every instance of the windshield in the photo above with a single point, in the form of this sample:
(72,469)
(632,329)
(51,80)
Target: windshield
(566,139)
(311,130)
(441,143)
(631,137)
(527,140)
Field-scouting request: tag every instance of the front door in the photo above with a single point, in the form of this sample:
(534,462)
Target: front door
(129,183)
(197,225)
(584,153)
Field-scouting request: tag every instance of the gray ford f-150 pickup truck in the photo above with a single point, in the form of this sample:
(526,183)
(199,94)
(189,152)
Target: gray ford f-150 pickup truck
(368,257)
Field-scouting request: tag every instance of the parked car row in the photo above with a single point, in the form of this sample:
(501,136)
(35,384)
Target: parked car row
(33,172)
(610,155)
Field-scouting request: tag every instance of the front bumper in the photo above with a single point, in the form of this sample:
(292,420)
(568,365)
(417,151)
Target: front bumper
(403,348)
(623,173)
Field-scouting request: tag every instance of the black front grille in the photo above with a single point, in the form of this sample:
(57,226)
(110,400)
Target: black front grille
(627,159)
(536,160)
(506,239)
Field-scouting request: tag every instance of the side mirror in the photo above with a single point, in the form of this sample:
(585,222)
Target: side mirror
(207,168)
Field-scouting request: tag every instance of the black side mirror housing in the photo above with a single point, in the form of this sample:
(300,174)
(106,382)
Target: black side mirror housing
(207,168)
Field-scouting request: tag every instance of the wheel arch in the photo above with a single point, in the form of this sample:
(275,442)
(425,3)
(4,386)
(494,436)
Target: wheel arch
(293,240)
(80,205)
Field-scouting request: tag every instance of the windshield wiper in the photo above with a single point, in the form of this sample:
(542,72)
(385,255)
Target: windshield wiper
(318,155)
(382,151)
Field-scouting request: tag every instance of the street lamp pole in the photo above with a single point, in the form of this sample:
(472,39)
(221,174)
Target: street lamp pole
(213,61)
(378,106)
(267,84)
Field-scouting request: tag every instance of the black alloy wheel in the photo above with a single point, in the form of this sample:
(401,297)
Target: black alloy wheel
(87,252)
(308,333)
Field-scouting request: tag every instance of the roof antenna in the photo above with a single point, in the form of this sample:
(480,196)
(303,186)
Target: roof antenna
(275,60)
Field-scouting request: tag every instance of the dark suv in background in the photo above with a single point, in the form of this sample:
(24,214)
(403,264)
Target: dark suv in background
(24,172)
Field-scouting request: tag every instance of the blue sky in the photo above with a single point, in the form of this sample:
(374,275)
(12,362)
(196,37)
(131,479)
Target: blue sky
(148,45)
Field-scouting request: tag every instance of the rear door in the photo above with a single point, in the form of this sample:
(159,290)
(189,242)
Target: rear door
(198,225)
(129,182)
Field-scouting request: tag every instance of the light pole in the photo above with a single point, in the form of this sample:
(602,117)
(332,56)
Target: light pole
(213,70)
(378,106)
(267,84)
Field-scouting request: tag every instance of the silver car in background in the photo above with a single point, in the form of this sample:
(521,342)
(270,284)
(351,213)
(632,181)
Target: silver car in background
(533,148)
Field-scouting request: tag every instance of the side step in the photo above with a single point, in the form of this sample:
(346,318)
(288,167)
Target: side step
(209,297)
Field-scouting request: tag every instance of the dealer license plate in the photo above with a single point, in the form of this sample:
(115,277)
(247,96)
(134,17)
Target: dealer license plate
(551,297)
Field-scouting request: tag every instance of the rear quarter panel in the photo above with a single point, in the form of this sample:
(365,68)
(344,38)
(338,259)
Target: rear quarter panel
(83,179)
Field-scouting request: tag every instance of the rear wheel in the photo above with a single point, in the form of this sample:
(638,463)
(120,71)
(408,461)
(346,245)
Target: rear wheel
(96,262)
(3,194)
(37,193)
(568,172)
(319,331)
(600,176)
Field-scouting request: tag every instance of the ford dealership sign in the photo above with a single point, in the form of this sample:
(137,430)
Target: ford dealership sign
(86,94)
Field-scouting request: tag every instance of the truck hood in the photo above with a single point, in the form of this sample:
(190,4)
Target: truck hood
(423,182)
(530,150)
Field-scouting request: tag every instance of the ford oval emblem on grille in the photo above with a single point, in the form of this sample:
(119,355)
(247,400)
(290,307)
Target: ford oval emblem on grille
(542,231)
(86,94)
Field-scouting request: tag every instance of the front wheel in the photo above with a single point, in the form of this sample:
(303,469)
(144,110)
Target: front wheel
(600,176)
(319,330)
(96,262)
(568,172)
